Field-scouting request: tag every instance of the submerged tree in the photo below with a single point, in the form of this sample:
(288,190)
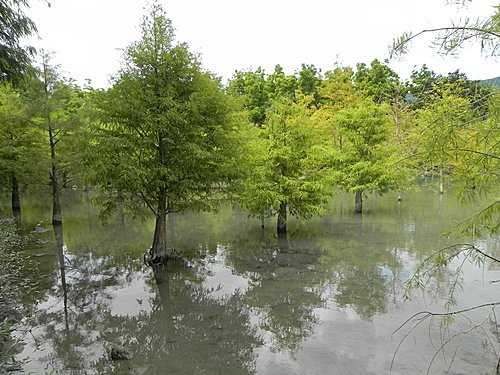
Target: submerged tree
(290,171)
(167,132)
(438,133)
(20,145)
(54,106)
(365,158)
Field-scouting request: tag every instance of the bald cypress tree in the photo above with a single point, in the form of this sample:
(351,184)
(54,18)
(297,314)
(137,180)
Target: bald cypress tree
(166,133)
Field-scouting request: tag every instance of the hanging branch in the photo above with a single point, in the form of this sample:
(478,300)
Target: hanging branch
(452,38)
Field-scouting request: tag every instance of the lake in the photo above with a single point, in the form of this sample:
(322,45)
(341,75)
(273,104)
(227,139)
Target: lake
(328,300)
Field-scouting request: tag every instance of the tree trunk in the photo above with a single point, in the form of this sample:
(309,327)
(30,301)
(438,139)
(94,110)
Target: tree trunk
(282,219)
(283,244)
(159,254)
(167,316)
(58,233)
(56,205)
(358,202)
(441,184)
(16,202)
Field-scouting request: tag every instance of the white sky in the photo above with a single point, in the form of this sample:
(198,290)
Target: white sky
(87,35)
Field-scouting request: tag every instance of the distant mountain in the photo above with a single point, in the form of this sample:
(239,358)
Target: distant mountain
(492,81)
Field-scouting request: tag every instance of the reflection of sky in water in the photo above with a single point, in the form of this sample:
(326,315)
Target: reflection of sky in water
(131,298)
(342,342)
(410,227)
(346,299)
(220,279)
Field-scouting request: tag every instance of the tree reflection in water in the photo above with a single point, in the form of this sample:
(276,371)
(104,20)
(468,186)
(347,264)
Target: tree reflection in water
(188,331)
(323,297)
(67,322)
(182,329)
(293,278)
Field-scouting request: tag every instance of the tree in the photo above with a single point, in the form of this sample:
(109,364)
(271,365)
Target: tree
(479,140)
(420,86)
(21,155)
(437,133)
(15,61)
(308,81)
(337,91)
(54,105)
(167,134)
(279,85)
(253,88)
(427,86)
(365,160)
(472,142)
(259,90)
(289,171)
(378,82)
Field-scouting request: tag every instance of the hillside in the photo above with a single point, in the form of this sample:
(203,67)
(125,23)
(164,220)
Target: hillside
(492,81)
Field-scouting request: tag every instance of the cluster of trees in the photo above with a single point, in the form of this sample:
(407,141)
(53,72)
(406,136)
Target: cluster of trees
(168,136)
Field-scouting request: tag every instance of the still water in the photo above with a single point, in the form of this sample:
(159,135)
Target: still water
(325,301)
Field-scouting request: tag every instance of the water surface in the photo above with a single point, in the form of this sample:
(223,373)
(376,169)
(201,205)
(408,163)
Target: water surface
(325,301)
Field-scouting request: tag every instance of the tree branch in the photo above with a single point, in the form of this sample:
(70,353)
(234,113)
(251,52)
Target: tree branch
(475,152)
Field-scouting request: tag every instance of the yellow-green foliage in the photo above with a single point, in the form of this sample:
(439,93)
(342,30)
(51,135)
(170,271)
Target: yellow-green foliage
(289,163)
(365,158)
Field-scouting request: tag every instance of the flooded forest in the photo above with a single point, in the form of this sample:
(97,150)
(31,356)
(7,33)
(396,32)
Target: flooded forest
(320,222)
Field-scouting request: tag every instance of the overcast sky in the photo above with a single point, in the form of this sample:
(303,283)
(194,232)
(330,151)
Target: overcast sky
(87,35)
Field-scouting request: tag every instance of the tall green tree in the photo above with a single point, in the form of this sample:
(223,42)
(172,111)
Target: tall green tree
(438,135)
(366,159)
(55,104)
(21,155)
(289,172)
(168,131)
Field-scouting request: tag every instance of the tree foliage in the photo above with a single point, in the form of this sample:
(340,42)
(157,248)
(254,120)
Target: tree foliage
(378,82)
(449,40)
(166,135)
(459,127)
(259,90)
(365,160)
(427,86)
(54,106)
(290,170)
(20,138)
(15,60)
